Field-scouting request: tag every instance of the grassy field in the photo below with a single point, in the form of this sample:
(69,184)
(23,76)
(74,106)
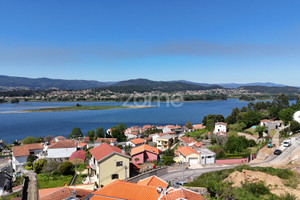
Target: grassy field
(51,181)
(77,108)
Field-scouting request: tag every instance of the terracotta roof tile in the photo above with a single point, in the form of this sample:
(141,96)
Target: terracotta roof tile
(182,194)
(137,141)
(24,150)
(188,140)
(104,150)
(62,144)
(62,193)
(185,150)
(78,154)
(221,123)
(81,144)
(153,181)
(126,190)
(143,148)
(106,139)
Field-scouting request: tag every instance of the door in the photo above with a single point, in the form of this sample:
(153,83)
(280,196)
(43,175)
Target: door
(193,161)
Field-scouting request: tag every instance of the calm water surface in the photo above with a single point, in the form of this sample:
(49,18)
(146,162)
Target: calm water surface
(19,125)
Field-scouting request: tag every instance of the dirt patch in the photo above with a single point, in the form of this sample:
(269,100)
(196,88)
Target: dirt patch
(273,182)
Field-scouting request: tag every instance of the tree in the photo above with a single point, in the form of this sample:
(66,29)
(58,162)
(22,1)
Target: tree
(91,135)
(295,126)
(76,133)
(260,130)
(237,144)
(282,101)
(286,115)
(99,132)
(39,165)
(136,159)
(30,158)
(210,124)
(65,168)
(118,132)
(243,109)
(15,100)
(273,112)
(30,140)
(215,118)
(48,138)
(189,125)
(50,167)
(250,118)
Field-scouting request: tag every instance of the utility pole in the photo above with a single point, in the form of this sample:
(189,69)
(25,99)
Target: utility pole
(182,171)
(126,172)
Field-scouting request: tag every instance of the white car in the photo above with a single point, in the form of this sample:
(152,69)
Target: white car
(287,143)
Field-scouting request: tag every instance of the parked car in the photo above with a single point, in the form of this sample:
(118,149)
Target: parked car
(287,143)
(277,152)
(179,183)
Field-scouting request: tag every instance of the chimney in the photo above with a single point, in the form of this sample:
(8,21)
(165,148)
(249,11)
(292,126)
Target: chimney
(159,190)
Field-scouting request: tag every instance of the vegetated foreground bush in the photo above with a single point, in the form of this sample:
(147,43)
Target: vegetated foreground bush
(218,189)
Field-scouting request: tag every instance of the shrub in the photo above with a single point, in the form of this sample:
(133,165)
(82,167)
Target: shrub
(65,168)
(50,167)
(30,158)
(39,165)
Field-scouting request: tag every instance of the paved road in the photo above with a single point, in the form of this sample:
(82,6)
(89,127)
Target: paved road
(193,173)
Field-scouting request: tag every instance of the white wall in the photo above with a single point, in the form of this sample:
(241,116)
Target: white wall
(61,152)
(219,128)
(166,130)
(154,137)
(17,161)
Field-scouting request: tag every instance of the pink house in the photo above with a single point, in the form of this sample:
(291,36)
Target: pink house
(144,153)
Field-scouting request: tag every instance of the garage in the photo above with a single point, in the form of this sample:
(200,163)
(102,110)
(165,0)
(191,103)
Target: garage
(193,161)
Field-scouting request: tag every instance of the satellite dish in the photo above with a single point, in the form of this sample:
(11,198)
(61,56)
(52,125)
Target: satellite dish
(297,116)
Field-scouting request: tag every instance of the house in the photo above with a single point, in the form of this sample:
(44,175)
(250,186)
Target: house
(207,156)
(111,141)
(187,141)
(78,157)
(144,153)
(135,142)
(155,136)
(198,126)
(59,138)
(148,189)
(65,192)
(264,122)
(107,164)
(166,141)
(188,155)
(152,188)
(220,127)
(5,183)
(131,135)
(82,145)
(198,145)
(20,153)
(181,194)
(60,149)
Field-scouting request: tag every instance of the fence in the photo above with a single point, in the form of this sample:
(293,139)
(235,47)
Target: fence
(232,161)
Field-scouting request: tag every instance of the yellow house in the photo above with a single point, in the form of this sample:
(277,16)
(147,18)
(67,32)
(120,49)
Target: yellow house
(187,155)
(107,164)
(166,141)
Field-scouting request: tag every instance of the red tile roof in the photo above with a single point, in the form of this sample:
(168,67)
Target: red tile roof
(81,144)
(153,181)
(198,144)
(137,141)
(60,138)
(182,194)
(104,150)
(78,154)
(198,126)
(143,148)
(185,150)
(221,123)
(62,193)
(126,190)
(62,144)
(24,150)
(188,140)
(110,140)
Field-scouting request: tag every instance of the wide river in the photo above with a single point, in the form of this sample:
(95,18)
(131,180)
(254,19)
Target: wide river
(16,126)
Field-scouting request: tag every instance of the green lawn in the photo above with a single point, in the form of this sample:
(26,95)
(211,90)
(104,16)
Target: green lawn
(197,134)
(51,181)
(76,108)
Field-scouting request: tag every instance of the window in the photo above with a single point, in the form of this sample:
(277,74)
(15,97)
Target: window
(119,163)
(114,176)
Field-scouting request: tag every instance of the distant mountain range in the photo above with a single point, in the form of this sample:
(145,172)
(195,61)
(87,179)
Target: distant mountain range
(10,82)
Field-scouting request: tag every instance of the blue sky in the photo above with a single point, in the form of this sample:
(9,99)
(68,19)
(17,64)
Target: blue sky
(214,41)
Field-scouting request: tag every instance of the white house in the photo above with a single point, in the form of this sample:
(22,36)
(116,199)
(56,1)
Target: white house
(20,154)
(220,127)
(154,136)
(60,149)
(207,156)
(131,135)
(135,142)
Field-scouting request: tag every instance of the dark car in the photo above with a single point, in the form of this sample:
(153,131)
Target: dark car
(277,152)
